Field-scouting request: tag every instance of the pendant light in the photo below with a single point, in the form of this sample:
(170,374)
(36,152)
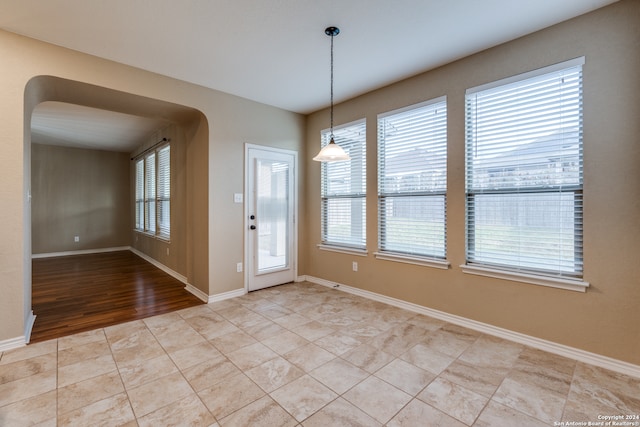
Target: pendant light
(331,152)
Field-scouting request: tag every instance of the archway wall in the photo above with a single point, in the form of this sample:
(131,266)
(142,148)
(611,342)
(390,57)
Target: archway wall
(216,125)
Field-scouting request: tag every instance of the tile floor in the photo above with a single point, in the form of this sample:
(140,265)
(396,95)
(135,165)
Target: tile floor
(300,355)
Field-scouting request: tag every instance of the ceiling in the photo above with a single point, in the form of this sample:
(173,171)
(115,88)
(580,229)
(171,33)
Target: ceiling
(275,51)
(70,125)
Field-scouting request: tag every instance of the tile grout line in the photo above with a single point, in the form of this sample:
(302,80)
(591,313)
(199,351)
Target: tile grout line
(57,380)
(124,387)
(177,368)
(521,362)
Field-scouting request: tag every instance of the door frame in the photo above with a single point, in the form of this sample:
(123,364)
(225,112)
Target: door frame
(294,194)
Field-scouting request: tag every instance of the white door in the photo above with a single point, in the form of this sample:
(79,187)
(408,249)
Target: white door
(270,217)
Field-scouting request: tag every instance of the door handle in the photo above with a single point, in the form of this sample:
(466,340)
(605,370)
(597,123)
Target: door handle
(252,227)
(252,217)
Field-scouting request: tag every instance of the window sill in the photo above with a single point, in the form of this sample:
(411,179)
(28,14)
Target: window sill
(343,249)
(553,282)
(407,259)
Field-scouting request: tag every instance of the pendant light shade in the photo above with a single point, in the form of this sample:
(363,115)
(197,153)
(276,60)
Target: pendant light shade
(332,152)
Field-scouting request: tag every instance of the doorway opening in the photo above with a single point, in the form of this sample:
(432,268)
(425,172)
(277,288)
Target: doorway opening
(106,223)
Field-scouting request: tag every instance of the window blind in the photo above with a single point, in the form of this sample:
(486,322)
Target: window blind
(343,189)
(412,180)
(139,220)
(150,193)
(524,171)
(164,191)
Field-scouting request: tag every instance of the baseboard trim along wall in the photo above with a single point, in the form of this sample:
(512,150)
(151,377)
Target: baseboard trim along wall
(23,340)
(12,343)
(81,252)
(552,347)
(226,295)
(202,296)
(188,287)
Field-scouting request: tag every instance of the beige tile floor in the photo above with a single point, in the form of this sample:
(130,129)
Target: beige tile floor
(300,355)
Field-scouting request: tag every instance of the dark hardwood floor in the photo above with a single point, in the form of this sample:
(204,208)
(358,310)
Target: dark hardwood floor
(82,292)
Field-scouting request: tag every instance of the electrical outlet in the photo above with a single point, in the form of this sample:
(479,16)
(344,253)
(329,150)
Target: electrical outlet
(355,266)
(239,267)
(237,198)
(76,239)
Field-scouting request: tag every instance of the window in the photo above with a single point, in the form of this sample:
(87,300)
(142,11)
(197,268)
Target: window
(153,192)
(343,189)
(412,180)
(140,194)
(150,193)
(164,191)
(524,172)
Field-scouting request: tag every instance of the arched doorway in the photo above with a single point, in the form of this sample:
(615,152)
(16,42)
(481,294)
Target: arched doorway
(190,130)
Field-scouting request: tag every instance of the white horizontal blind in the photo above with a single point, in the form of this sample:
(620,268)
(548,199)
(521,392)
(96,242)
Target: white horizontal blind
(164,191)
(343,189)
(412,180)
(524,172)
(150,193)
(139,221)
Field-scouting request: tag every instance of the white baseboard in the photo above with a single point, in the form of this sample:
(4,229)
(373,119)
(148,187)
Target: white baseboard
(226,295)
(81,252)
(188,286)
(12,343)
(197,292)
(552,347)
(161,266)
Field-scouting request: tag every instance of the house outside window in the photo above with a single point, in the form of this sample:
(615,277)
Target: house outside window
(412,180)
(524,170)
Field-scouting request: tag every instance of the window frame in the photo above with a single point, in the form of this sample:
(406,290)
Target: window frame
(434,140)
(356,243)
(572,280)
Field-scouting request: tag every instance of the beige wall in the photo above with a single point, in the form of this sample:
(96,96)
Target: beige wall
(605,319)
(215,125)
(78,192)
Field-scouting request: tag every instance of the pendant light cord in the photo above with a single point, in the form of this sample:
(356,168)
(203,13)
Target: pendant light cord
(331,113)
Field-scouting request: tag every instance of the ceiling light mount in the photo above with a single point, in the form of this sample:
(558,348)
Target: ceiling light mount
(332,31)
(331,152)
